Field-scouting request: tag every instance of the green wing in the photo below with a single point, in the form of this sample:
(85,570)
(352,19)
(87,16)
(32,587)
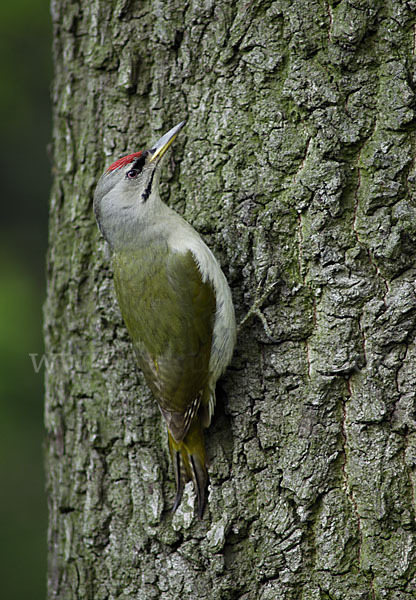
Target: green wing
(169,313)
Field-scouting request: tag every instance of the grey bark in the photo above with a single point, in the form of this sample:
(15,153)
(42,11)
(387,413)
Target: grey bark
(297,167)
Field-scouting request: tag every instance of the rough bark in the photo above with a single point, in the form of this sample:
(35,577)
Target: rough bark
(297,167)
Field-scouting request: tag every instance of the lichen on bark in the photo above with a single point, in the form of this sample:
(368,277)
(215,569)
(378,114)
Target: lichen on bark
(297,167)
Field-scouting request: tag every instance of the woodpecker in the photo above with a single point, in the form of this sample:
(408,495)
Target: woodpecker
(175,302)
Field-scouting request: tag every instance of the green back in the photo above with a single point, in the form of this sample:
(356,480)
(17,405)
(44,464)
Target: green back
(169,313)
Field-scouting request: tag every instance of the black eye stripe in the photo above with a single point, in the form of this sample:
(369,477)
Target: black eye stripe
(138,164)
(136,167)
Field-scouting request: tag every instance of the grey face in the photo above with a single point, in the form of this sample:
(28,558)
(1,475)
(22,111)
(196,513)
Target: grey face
(123,194)
(139,175)
(129,178)
(126,200)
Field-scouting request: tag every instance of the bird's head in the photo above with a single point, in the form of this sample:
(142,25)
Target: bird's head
(126,196)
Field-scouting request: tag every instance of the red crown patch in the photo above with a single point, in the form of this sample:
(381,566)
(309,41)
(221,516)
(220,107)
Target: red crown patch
(123,161)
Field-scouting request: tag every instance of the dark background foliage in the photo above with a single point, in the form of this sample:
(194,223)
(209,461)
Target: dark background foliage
(25,73)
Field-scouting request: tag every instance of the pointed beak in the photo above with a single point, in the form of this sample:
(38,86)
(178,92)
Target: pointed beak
(165,141)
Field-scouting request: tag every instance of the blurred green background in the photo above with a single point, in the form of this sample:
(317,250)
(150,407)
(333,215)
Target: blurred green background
(25,131)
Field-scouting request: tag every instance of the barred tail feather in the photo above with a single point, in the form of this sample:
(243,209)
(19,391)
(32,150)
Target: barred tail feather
(188,457)
(180,474)
(200,479)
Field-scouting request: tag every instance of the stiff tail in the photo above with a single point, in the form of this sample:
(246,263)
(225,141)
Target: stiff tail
(188,457)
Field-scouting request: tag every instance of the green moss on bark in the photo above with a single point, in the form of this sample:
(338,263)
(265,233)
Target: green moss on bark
(297,167)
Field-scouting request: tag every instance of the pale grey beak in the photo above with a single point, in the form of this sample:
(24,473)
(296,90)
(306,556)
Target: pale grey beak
(165,141)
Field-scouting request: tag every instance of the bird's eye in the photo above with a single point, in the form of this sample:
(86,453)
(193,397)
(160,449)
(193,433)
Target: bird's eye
(132,174)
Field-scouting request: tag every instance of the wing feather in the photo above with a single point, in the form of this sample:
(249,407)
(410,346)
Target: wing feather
(169,312)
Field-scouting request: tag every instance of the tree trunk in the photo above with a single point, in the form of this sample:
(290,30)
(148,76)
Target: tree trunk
(296,166)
